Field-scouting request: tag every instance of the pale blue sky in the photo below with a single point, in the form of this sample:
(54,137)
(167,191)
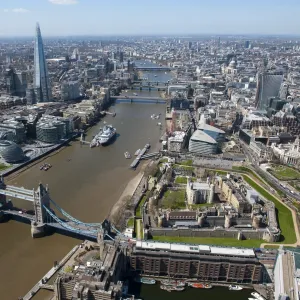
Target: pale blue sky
(119,17)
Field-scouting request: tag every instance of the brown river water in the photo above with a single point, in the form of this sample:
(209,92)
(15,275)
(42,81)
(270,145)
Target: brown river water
(87,186)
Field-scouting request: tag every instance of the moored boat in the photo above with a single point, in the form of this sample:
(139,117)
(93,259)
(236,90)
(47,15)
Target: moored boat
(235,288)
(173,283)
(137,152)
(257,296)
(127,155)
(200,285)
(145,280)
(172,288)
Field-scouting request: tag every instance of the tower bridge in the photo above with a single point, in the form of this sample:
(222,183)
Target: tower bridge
(44,216)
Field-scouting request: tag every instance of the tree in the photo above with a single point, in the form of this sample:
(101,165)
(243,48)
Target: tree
(151,170)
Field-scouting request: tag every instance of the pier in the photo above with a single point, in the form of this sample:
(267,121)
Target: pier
(139,157)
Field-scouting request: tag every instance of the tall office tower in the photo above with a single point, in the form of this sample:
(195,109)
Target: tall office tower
(247,44)
(41,82)
(268,86)
(190,44)
(121,56)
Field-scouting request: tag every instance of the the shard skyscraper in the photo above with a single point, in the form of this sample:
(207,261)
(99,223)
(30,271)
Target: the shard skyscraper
(41,82)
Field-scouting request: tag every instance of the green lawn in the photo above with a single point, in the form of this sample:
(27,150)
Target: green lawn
(295,184)
(272,246)
(188,162)
(284,173)
(183,179)
(284,215)
(195,206)
(139,229)
(173,199)
(210,241)
(142,202)
(130,223)
(3,167)
(247,170)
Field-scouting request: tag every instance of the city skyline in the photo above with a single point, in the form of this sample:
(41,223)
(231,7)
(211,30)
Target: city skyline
(88,17)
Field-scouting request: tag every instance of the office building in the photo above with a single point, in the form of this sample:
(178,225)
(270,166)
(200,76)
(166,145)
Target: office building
(247,44)
(70,90)
(202,143)
(269,85)
(196,261)
(41,78)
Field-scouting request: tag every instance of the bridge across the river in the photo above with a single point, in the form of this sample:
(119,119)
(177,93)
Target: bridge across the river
(45,216)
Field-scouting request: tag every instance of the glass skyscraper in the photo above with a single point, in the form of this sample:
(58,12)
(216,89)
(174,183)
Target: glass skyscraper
(268,86)
(42,86)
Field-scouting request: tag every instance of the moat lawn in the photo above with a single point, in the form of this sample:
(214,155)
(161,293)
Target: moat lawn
(284,215)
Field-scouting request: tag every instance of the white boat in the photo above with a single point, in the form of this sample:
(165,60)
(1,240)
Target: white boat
(108,132)
(137,152)
(135,94)
(251,298)
(235,288)
(257,296)
(158,124)
(127,155)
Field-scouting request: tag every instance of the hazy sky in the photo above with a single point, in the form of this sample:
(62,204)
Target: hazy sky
(113,17)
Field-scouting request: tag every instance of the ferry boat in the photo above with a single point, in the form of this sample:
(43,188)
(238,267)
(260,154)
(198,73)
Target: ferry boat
(137,152)
(257,296)
(199,285)
(108,132)
(127,155)
(235,288)
(145,280)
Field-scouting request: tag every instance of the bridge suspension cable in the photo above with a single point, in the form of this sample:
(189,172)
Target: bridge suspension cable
(65,225)
(72,218)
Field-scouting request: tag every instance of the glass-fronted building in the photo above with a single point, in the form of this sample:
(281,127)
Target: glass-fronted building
(42,86)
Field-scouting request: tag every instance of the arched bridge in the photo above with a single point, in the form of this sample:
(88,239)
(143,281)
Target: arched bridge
(45,214)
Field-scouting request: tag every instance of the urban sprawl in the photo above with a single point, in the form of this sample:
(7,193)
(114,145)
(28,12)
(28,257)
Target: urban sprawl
(217,204)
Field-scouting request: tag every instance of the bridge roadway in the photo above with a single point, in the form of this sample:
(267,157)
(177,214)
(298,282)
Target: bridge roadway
(20,193)
(83,230)
(49,274)
(152,68)
(137,97)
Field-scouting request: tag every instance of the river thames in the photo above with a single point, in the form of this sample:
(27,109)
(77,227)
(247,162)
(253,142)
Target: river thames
(86,183)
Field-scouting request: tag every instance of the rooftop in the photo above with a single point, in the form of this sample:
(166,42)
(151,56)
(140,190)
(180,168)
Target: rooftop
(204,126)
(195,248)
(201,136)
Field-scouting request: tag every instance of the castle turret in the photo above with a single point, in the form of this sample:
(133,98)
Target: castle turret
(227,223)
(211,194)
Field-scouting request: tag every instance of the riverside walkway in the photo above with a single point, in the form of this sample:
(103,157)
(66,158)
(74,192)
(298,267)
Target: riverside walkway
(47,276)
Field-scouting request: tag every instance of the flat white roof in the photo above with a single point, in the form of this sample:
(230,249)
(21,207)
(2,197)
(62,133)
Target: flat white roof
(232,251)
(194,248)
